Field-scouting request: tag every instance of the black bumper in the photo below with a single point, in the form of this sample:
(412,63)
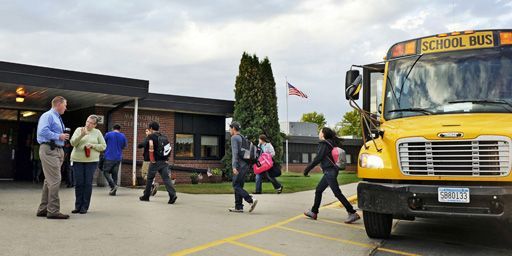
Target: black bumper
(406,201)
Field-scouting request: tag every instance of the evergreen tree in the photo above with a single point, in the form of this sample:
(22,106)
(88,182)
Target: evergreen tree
(270,119)
(255,105)
(248,93)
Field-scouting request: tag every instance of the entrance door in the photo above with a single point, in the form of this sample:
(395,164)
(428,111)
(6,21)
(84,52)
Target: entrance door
(25,145)
(7,149)
(17,132)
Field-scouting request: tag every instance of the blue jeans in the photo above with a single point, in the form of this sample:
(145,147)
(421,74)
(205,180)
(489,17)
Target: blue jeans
(259,181)
(110,171)
(71,176)
(83,173)
(238,187)
(330,179)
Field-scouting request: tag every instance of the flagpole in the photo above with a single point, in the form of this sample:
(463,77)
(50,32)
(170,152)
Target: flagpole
(287,122)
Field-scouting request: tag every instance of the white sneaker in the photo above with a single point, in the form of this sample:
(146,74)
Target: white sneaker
(253,205)
(235,210)
(352,217)
(154,189)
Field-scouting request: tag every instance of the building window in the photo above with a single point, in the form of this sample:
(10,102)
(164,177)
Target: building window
(313,155)
(209,147)
(294,157)
(349,159)
(184,146)
(305,158)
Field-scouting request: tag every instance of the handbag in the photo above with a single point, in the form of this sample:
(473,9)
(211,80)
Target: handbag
(275,171)
(264,163)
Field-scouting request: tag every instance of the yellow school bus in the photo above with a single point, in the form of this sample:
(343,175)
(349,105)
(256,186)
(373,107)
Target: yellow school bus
(439,144)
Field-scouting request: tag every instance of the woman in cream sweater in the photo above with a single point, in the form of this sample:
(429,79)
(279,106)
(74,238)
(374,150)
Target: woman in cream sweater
(87,144)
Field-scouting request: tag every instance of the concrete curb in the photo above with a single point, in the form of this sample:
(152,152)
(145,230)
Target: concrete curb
(351,199)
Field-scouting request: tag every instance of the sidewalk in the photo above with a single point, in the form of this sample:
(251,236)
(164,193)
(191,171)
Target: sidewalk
(123,225)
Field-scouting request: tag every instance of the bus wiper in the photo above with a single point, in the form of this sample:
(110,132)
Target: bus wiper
(483,101)
(419,110)
(407,76)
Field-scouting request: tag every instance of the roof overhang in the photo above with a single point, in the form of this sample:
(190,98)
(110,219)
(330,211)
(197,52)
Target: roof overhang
(79,88)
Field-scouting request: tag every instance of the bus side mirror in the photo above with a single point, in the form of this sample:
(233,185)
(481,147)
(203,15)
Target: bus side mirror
(352,84)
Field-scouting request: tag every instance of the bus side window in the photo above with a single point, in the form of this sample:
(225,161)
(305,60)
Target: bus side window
(377,79)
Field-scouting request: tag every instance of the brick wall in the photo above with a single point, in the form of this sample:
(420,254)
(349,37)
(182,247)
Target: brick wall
(180,176)
(124,117)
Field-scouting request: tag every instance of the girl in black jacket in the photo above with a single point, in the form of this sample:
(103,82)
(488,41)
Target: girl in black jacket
(328,141)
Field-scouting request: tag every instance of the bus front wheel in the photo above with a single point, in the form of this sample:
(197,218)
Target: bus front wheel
(377,225)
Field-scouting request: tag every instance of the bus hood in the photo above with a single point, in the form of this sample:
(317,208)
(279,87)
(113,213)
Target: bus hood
(452,126)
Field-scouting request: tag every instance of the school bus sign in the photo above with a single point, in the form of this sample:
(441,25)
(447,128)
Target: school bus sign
(457,42)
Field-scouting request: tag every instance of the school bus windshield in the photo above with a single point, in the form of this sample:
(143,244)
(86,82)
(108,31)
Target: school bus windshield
(473,81)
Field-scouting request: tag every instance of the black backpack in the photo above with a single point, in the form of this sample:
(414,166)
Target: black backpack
(248,151)
(163,147)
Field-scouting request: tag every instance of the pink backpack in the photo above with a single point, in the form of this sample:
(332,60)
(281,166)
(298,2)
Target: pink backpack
(264,163)
(339,157)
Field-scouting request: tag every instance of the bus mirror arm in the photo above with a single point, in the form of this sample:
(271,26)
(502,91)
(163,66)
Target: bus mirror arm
(368,124)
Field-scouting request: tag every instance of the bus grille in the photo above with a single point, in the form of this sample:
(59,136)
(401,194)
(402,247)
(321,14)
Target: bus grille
(485,156)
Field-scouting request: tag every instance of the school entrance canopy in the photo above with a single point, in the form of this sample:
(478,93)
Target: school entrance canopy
(39,85)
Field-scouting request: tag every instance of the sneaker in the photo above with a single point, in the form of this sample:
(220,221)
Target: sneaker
(352,217)
(154,189)
(113,191)
(142,198)
(311,215)
(279,190)
(172,200)
(253,205)
(235,210)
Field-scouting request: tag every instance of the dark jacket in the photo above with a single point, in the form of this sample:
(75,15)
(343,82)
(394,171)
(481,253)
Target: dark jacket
(323,157)
(154,138)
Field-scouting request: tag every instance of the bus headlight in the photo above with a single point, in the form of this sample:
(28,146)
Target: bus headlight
(371,161)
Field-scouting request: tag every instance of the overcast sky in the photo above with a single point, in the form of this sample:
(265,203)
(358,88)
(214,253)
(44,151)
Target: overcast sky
(193,47)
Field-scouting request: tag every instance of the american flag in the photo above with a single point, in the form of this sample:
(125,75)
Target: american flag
(294,91)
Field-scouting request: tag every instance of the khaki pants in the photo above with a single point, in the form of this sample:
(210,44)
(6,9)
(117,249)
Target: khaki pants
(144,170)
(51,160)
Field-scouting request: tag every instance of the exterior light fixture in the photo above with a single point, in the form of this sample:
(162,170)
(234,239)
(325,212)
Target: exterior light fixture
(20,94)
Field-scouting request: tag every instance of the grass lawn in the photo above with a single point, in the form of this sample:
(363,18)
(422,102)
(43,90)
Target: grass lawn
(292,182)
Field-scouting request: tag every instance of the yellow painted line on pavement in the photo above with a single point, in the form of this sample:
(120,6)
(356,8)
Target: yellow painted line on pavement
(233,238)
(199,248)
(257,249)
(345,241)
(250,233)
(341,224)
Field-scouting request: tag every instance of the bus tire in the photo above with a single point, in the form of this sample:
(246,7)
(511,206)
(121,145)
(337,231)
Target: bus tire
(377,225)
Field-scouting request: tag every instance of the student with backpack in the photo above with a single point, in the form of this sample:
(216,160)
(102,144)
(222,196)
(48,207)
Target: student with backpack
(266,148)
(244,153)
(157,151)
(145,164)
(329,157)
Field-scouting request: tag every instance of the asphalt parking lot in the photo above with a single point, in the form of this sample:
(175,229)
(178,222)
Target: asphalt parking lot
(201,225)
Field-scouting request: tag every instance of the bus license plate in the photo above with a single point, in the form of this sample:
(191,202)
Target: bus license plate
(453,195)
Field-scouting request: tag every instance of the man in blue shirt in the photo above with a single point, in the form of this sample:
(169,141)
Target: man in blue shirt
(116,142)
(51,136)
